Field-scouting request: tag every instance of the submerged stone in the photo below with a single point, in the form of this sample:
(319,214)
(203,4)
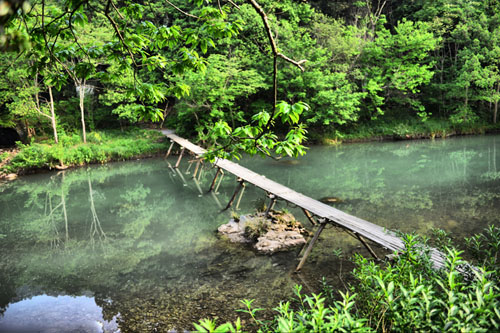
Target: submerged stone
(279,232)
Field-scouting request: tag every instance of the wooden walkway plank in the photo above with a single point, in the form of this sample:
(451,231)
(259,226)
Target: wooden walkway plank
(365,229)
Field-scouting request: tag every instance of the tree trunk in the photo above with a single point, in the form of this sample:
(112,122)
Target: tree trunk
(466,96)
(53,115)
(495,110)
(82,109)
(29,131)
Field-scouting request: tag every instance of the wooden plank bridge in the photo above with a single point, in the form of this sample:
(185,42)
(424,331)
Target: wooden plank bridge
(359,228)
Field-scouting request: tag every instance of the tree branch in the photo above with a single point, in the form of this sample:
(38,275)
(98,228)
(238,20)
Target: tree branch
(272,42)
(47,43)
(276,55)
(235,5)
(117,31)
(180,10)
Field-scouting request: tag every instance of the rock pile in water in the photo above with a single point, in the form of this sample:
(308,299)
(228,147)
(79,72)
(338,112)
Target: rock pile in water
(279,232)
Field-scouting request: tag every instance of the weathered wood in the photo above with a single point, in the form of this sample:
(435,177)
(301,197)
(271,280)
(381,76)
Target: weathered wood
(220,181)
(271,204)
(184,182)
(310,246)
(200,173)
(196,169)
(189,167)
(367,246)
(309,216)
(238,188)
(180,157)
(215,179)
(241,195)
(365,229)
(170,149)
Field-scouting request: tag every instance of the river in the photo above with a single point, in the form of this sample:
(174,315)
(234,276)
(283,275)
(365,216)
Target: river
(132,246)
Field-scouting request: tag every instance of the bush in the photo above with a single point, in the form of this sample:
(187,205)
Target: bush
(101,147)
(3,156)
(408,295)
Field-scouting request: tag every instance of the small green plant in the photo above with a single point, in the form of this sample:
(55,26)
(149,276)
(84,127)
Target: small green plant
(484,248)
(251,311)
(441,239)
(408,295)
(210,325)
(338,253)
(256,227)
(3,156)
(235,216)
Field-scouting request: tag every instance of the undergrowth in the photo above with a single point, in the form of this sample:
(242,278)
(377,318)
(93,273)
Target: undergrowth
(407,295)
(101,147)
(403,129)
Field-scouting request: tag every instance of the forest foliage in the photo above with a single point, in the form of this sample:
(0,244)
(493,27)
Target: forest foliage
(251,76)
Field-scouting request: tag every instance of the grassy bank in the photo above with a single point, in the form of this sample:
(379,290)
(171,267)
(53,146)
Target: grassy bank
(401,130)
(115,145)
(407,295)
(101,147)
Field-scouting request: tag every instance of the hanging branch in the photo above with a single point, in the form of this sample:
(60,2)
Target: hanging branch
(180,10)
(274,48)
(234,5)
(117,31)
(276,55)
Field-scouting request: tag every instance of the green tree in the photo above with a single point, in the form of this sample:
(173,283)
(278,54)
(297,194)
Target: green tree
(397,65)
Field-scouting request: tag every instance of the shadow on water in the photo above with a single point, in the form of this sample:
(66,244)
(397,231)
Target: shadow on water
(134,243)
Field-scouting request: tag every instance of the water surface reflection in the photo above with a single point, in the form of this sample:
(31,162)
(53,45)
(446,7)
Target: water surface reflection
(139,237)
(51,314)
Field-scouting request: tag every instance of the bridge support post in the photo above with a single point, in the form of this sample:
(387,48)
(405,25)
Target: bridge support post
(362,240)
(215,179)
(189,167)
(322,225)
(238,188)
(180,158)
(241,195)
(169,149)
(271,204)
(220,181)
(196,169)
(309,216)
(200,173)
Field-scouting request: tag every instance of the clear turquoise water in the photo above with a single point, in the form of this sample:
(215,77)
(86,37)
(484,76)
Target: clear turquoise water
(137,244)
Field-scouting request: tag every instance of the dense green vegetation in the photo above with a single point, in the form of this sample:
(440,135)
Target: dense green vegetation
(217,70)
(101,147)
(408,295)
(261,76)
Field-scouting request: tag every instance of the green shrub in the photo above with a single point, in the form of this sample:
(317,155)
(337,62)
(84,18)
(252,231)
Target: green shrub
(3,156)
(408,295)
(101,147)
(67,140)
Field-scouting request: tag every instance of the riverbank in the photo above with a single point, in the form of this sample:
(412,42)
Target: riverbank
(133,143)
(70,151)
(409,130)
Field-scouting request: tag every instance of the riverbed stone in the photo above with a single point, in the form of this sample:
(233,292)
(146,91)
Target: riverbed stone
(279,232)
